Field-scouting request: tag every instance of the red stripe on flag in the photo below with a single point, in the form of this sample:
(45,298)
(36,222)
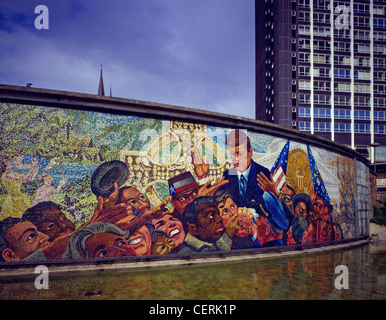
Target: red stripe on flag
(187,186)
(278,176)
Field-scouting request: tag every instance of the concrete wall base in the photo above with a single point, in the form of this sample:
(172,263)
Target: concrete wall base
(27,271)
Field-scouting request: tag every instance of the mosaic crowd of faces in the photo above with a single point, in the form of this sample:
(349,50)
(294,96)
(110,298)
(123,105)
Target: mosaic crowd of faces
(81,184)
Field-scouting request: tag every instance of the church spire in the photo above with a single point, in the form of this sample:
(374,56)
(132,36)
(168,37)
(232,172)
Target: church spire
(101,88)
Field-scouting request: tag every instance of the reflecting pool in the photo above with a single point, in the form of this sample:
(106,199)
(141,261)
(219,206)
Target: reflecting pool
(305,277)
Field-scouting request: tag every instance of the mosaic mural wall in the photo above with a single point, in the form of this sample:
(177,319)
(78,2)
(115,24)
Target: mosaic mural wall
(81,184)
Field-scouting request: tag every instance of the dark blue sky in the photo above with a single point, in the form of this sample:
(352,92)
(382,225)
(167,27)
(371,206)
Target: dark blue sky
(191,53)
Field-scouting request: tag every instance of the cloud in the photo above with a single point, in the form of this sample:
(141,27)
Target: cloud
(189,53)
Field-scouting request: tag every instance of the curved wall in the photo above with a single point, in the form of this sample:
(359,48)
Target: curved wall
(87,177)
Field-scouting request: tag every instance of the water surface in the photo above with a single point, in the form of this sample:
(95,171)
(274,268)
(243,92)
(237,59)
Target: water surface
(306,277)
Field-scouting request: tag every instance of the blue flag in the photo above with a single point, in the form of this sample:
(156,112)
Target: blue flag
(317,180)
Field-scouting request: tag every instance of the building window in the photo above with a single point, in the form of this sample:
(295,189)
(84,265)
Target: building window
(304,126)
(361,115)
(380,129)
(304,98)
(322,126)
(322,99)
(380,10)
(342,33)
(363,21)
(342,127)
(361,101)
(342,46)
(322,72)
(304,112)
(304,44)
(342,73)
(304,3)
(361,8)
(378,62)
(379,36)
(361,88)
(304,16)
(363,62)
(342,60)
(304,30)
(321,45)
(380,115)
(322,113)
(361,48)
(322,85)
(379,23)
(322,58)
(361,35)
(304,71)
(343,87)
(322,17)
(361,128)
(379,89)
(304,57)
(378,49)
(380,75)
(321,32)
(304,85)
(380,102)
(362,75)
(322,5)
(342,100)
(342,114)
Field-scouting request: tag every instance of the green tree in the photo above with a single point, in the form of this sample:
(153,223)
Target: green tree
(37,130)
(380,212)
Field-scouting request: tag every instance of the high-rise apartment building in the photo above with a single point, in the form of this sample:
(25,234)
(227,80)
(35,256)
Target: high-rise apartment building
(321,68)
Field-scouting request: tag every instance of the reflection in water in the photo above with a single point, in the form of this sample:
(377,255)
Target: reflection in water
(302,277)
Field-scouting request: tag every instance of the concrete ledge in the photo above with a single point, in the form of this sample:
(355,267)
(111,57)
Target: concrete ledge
(28,271)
